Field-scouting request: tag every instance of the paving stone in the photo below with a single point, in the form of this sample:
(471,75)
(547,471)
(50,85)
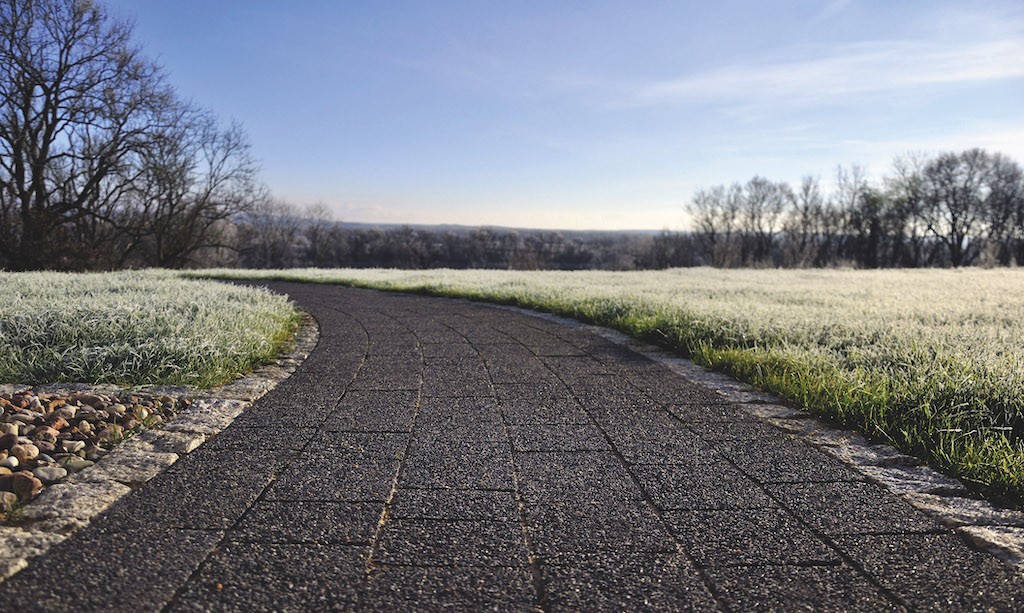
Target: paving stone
(735,430)
(206,416)
(1004,542)
(70,506)
(429,542)
(712,485)
(308,522)
(458,465)
(387,373)
(466,419)
(286,415)
(585,476)
(937,572)
(657,438)
(133,467)
(403,588)
(275,577)
(784,460)
(279,510)
(699,412)
(20,544)
(557,437)
(380,445)
(954,511)
(165,505)
(375,411)
(454,505)
(438,347)
(915,480)
(266,439)
(851,508)
(797,588)
(748,536)
(625,581)
(336,478)
(559,527)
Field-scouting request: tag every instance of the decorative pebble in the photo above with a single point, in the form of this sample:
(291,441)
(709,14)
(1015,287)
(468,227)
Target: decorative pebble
(26,485)
(49,474)
(77,464)
(24,452)
(73,446)
(7,501)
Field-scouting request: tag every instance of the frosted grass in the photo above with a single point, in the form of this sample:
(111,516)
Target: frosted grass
(929,360)
(132,328)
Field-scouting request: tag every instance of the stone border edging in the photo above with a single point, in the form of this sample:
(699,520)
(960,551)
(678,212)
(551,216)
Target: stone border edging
(984,526)
(69,505)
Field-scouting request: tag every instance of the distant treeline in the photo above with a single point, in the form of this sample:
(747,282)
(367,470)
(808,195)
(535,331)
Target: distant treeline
(955,209)
(280,235)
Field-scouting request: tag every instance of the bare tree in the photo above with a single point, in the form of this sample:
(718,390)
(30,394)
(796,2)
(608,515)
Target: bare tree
(194,179)
(952,202)
(762,207)
(715,213)
(802,224)
(77,101)
(1003,206)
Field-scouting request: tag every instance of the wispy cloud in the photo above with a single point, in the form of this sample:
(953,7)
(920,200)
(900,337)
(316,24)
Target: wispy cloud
(864,68)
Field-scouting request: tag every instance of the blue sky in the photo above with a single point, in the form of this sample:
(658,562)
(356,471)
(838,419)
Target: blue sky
(603,115)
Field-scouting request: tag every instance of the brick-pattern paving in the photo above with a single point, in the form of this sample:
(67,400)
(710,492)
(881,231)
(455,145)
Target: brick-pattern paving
(436,453)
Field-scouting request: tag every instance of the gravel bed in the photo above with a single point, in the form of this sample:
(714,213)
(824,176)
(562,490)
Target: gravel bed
(45,437)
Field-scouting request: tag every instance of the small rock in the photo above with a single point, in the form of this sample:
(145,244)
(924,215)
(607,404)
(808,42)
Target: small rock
(66,412)
(7,501)
(117,409)
(84,427)
(89,399)
(77,464)
(73,446)
(49,474)
(8,440)
(45,458)
(10,462)
(25,485)
(5,471)
(9,428)
(57,424)
(45,433)
(45,446)
(24,452)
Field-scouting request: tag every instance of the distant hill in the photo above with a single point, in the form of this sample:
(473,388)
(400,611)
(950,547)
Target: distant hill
(463,229)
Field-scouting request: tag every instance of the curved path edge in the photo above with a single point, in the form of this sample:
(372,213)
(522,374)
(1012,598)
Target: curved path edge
(984,526)
(68,506)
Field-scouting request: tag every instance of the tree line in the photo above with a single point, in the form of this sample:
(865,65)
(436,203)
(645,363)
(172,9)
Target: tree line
(281,235)
(952,209)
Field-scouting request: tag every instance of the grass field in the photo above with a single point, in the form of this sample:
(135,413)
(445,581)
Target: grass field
(931,361)
(135,328)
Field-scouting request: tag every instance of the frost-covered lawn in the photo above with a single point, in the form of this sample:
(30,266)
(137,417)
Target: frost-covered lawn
(135,328)
(930,360)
